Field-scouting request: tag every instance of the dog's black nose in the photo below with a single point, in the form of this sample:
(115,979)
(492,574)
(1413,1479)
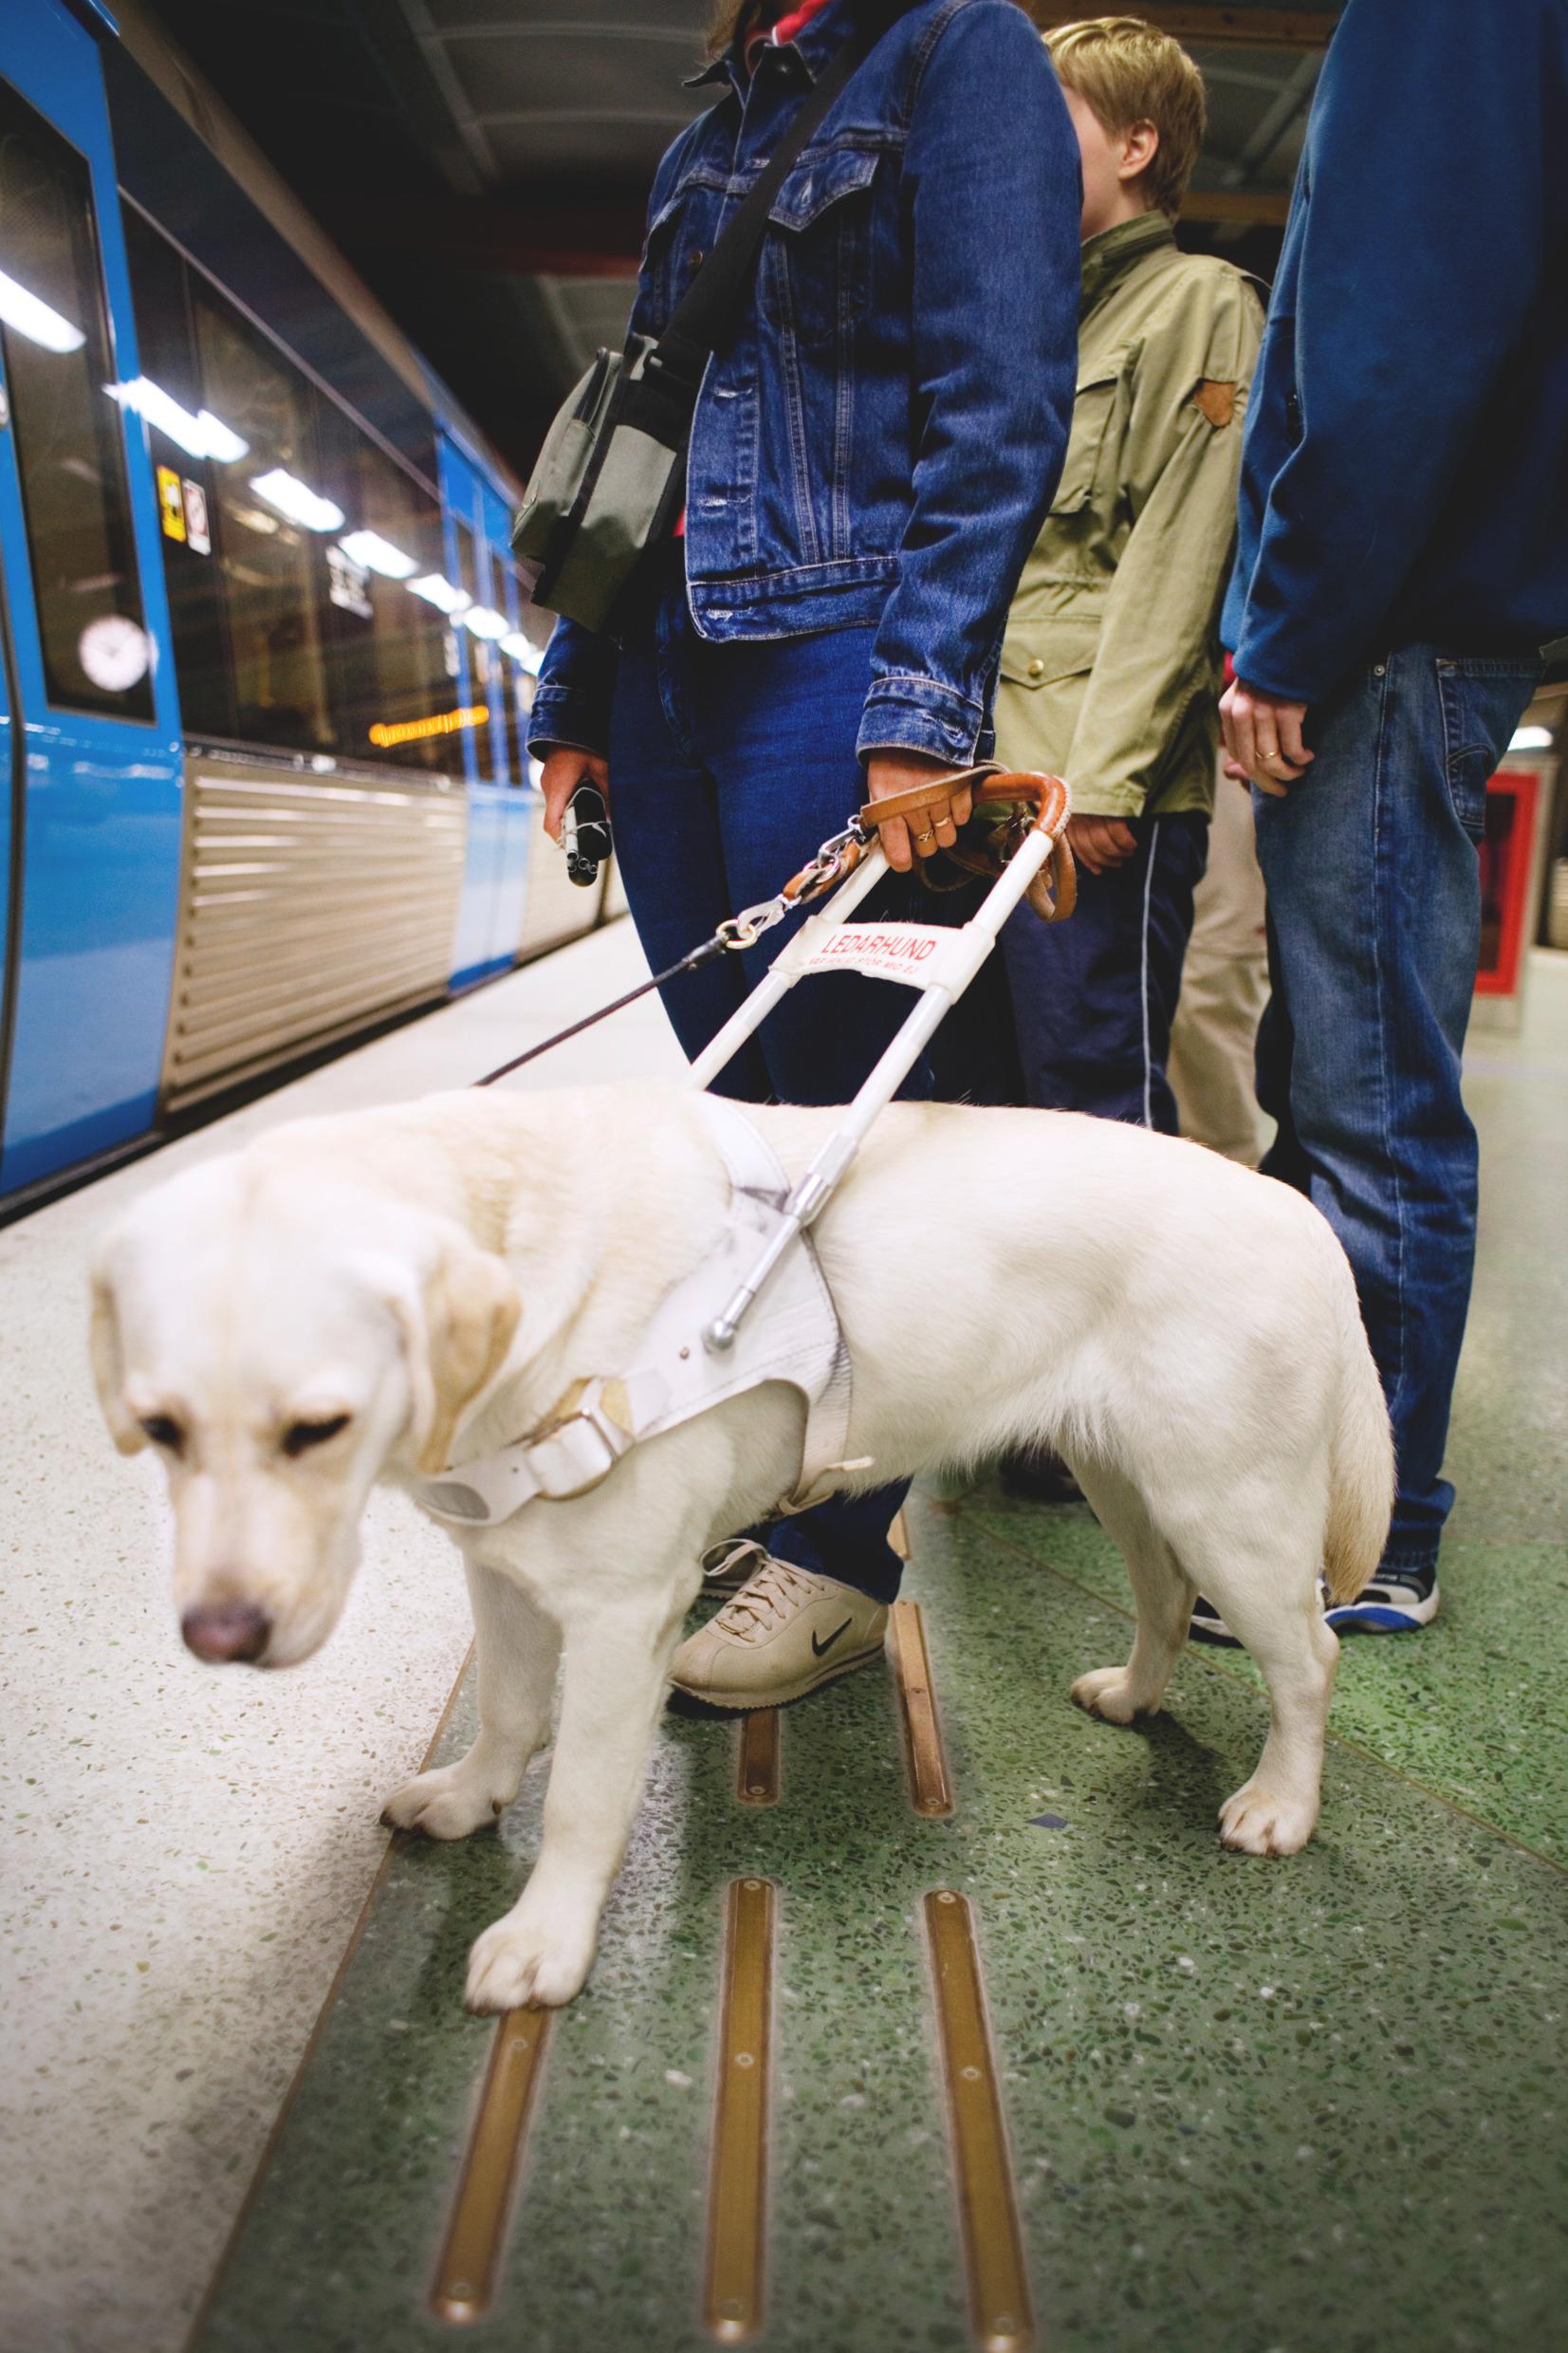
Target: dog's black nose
(233,1632)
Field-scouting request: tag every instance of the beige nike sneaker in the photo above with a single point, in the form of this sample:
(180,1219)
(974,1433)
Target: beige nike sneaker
(785,1632)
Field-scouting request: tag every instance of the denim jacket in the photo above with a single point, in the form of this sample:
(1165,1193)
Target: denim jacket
(878,442)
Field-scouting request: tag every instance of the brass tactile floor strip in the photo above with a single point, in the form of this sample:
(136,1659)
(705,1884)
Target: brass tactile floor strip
(993,2250)
(737,2197)
(757,1757)
(470,2253)
(931,1784)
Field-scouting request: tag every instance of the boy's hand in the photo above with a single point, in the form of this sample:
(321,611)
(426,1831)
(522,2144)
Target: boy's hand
(565,769)
(1100,843)
(1262,734)
(929,830)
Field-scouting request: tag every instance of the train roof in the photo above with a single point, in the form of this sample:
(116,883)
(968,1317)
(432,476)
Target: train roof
(184,89)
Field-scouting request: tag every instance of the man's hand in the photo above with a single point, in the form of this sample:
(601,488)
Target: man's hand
(1101,843)
(565,767)
(931,829)
(1262,734)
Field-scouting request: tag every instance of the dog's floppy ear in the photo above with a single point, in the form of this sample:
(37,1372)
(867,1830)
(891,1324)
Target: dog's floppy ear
(457,1326)
(108,1367)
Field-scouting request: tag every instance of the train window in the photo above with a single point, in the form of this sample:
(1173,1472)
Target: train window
(522,680)
(188,443)
(481,654)
(505,668)
(391,689)
(69,444)
(271,525)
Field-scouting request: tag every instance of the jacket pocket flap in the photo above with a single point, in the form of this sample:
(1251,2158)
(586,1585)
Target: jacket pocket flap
(823,180)
(1038,653)
(1094,404)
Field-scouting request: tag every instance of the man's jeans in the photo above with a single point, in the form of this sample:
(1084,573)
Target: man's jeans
(1374,915)
(729,764)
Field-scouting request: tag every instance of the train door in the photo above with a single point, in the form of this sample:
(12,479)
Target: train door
(95,742)
(479,629)
(520,832)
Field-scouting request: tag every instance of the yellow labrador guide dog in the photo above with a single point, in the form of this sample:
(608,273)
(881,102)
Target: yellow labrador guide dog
(396,1294)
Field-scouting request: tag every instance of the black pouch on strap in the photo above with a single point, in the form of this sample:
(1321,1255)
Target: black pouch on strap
(611,475)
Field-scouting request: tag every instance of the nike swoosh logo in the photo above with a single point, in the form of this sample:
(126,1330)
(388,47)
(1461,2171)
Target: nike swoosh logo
(820,1649)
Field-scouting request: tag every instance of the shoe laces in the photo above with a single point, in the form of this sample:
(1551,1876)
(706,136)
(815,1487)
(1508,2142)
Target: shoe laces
(724,1558)
(771,1597)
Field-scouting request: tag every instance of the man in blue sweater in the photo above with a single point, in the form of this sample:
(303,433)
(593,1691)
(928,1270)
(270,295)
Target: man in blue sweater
(1403,559)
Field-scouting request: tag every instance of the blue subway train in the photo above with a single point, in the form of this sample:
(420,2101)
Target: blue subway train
(267,658)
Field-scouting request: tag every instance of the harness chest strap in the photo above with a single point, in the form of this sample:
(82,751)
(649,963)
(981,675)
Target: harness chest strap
(793,1336)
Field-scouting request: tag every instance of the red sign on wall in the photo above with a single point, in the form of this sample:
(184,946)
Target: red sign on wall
(1506,849)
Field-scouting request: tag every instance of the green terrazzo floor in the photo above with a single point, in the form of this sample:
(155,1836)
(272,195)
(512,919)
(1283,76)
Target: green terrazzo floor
(1253,2106)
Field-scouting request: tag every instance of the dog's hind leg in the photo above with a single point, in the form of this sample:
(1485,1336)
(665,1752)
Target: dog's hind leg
(518,1652)
(1161,1589)
(1272,1607)
(617,1673)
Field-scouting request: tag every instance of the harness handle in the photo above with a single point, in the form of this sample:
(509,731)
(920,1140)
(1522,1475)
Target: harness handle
(980,851)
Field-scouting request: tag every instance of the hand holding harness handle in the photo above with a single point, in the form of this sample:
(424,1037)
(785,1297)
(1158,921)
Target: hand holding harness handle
(978,851)
(695,1354)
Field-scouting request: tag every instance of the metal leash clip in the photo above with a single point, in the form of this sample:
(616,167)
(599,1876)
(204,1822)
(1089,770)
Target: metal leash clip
(838,856)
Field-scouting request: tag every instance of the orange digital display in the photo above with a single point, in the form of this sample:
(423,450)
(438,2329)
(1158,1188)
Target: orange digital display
(418,731)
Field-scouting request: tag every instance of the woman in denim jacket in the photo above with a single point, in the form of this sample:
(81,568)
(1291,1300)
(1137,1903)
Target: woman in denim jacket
(871,455)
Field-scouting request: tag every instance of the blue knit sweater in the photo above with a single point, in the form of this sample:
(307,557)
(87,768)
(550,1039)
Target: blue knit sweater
(1405,472)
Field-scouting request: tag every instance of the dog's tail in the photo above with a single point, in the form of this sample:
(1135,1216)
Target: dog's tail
(1360,1502)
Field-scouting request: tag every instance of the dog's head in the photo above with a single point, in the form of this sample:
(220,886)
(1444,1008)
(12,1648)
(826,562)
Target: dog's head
(282,1340)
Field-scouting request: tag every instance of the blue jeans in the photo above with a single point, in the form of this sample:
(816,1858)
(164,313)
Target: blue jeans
(729,764)
(1375,916)
(1095,998)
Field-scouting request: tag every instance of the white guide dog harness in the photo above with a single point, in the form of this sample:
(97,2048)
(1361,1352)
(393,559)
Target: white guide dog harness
(757,1309)
(793,1336)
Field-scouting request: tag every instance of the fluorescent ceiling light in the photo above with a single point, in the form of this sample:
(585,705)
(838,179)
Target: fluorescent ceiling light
(440,593)
(35,319)
(1531,739)
(223,442)
(378,554)
(297,500)
(202,436)
(522,650)
(485,624)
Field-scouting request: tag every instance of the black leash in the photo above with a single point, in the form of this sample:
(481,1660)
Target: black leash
(836,857)
(705,954)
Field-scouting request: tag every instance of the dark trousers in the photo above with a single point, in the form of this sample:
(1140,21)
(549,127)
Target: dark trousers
(728,765)
(1094,998)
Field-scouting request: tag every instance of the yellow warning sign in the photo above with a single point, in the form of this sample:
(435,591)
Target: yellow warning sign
(170,500)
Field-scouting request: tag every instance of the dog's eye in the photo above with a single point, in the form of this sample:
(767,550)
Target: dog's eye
(301,1436)
(163,1431)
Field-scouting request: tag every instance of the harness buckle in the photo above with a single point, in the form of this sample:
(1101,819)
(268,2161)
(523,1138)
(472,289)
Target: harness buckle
(579,1450)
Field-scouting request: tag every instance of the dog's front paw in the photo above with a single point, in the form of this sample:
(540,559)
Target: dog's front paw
(447,1804)
(1259,1821)
(1110,1692)
(545,1959)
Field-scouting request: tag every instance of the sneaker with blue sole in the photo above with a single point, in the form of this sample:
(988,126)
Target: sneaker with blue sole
(1398,1601)
(1395,1600)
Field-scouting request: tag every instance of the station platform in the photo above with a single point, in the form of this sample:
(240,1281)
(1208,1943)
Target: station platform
(1031,2059)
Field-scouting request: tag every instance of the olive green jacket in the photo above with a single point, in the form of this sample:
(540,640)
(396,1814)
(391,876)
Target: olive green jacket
(1111,663)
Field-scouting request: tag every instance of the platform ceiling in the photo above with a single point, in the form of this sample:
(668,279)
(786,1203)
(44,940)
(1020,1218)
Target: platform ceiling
(485,163)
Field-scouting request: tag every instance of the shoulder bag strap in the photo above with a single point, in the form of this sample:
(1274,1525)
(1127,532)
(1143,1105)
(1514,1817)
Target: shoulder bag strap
(709,306)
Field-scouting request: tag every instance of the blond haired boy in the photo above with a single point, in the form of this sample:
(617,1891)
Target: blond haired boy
(1111,666)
